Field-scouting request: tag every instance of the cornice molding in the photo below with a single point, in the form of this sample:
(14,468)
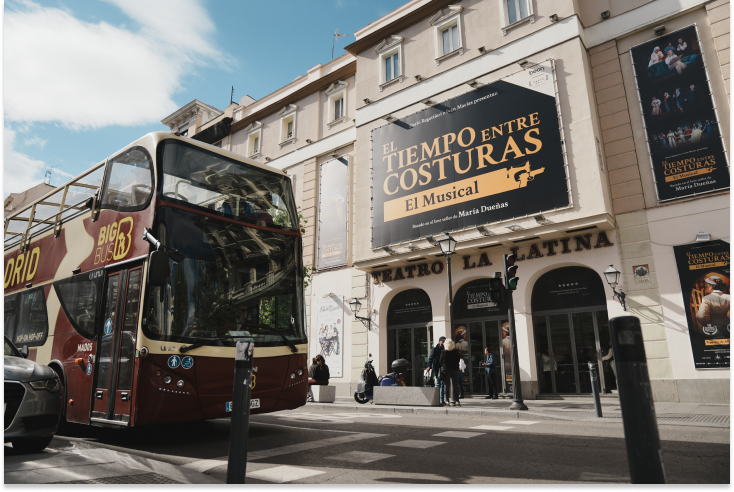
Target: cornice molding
(440,17)
(337,86)
(287,110)
(388,43)
(254,126)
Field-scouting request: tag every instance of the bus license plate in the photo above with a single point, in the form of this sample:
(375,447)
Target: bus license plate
(254,403)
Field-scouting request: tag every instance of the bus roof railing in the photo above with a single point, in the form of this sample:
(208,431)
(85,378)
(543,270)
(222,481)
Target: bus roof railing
(52,209)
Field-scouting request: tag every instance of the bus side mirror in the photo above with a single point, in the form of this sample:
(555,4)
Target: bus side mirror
(24,351)
(158,269)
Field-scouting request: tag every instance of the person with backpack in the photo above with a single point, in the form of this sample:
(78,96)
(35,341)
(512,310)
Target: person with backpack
(434,362)
(489,372)
(450,367)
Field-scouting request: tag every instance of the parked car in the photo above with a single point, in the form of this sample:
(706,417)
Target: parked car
(32,401)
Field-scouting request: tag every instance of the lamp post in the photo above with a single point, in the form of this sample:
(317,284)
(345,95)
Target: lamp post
(355,306)
(612,276)
(448,247)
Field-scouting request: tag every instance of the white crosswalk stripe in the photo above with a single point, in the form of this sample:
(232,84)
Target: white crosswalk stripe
(283,474)
(519,422)
(492,427)
(462,435)
(412,443)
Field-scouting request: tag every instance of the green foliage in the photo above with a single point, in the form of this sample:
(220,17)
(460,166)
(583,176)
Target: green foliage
(214,309)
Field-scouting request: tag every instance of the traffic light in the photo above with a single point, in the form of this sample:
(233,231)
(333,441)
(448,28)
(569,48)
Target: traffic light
(496,289)
(510,270)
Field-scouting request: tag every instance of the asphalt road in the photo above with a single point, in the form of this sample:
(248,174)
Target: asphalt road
(307,446)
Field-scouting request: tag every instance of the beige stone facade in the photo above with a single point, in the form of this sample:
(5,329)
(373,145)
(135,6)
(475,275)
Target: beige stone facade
(611,182)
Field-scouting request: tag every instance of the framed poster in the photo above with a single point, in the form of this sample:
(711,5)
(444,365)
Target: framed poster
(684,140)
(333,213)
(703,269)
(329,339)
(492,154)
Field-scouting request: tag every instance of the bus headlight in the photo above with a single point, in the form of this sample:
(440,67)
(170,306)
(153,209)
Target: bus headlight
(300,372)
(167,380)
(180,383)
(293,375)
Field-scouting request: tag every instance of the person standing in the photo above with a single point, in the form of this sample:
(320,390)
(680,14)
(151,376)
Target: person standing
(434,362)
(489,372)
(450,366)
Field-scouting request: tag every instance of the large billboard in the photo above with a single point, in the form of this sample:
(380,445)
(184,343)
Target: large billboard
(703,269)
(491,154)
(329,339)
(333,207)
(686,149)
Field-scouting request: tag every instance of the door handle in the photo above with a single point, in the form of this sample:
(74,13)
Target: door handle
(99,395)
(124,397)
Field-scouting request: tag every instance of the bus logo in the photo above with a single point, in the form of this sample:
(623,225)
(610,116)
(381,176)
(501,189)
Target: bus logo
(114,241)
(187,362)
(89,369)
(22,268)
(174,361)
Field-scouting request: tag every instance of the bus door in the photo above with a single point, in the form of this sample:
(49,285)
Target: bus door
(116,354)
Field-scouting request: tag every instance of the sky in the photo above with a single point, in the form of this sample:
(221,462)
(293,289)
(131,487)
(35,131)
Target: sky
(84,78)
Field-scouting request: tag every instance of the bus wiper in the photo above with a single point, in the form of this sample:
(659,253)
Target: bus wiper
(204,341)
(290,343)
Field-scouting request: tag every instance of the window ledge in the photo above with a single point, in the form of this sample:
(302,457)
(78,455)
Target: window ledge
(399,78)
(530,18)
(460,51)
(286,142)
(338,120)
(255,155)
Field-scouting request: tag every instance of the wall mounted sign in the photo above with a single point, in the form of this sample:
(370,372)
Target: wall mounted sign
(329,339)
(703,270)
(641,274)
(683,133)
(472,301)
(333,210)
(491,154)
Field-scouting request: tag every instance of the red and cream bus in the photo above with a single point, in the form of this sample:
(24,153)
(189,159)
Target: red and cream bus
(139,339)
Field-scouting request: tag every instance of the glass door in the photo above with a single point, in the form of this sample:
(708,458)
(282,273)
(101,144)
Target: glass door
(413,344)
(474,357)
(563,353)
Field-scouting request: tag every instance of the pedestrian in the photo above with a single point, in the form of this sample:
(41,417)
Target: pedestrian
(462,369)
(318,374)
(489,372)
(450,366)
(434,362)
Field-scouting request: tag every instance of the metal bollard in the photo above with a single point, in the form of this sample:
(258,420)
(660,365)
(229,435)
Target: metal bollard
(595,388)
(635,398)
(239,427)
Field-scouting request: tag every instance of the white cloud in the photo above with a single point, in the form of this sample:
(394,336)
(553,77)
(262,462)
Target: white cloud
(58,68)
(21,172)
(35,142)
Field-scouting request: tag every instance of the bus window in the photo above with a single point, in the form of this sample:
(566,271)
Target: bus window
(32,326)
(201,179)
(129,183)
(129,326)
(80,298)
(11,314)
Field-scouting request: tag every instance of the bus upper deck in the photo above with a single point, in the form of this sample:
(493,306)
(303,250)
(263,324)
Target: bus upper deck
(78,292)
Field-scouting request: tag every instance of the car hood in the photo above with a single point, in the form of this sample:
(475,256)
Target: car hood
(24,370)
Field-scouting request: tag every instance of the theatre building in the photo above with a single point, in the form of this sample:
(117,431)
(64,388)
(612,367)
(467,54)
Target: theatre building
(575,135)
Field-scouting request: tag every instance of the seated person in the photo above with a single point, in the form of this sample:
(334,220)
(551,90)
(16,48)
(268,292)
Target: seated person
(318,374)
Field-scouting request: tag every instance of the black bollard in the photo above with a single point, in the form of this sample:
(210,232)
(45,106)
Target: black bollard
(237,463)
(635,399)
(595,388)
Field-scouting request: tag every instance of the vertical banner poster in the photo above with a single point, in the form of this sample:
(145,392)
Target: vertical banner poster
(703,269)
(492,154)
(333,200)
(686,150)
(330,333)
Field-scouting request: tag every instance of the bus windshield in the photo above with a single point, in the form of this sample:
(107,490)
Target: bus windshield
(233,279)
(202,179)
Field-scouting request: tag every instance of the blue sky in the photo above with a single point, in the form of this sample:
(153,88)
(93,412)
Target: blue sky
(83,78)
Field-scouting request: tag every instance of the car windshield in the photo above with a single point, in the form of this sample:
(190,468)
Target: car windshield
(205,180)
(10,350)
(233,279)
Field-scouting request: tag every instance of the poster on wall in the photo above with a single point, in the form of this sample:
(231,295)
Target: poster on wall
(329,339)
(703,269)
(686,149)
(333,200)
(491,154)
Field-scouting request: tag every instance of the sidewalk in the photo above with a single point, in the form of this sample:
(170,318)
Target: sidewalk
(68,462)
(577,409)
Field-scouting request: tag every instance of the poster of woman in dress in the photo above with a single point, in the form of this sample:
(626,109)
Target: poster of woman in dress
(678,109)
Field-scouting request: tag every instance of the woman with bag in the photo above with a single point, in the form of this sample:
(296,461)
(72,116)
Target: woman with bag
(450,368)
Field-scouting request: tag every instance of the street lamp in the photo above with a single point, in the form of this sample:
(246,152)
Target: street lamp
(612,275)
(448,247)
(355,306)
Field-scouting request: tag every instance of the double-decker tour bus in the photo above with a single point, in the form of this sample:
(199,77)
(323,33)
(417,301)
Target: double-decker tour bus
(134,280)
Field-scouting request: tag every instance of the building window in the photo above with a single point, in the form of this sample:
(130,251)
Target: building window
(516,12)
(337,94)
(390,53)
(447,28)
(254,139)
(287,124)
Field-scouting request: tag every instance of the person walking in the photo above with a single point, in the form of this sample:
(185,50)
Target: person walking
(434,362)
(450,367)
(489,372)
